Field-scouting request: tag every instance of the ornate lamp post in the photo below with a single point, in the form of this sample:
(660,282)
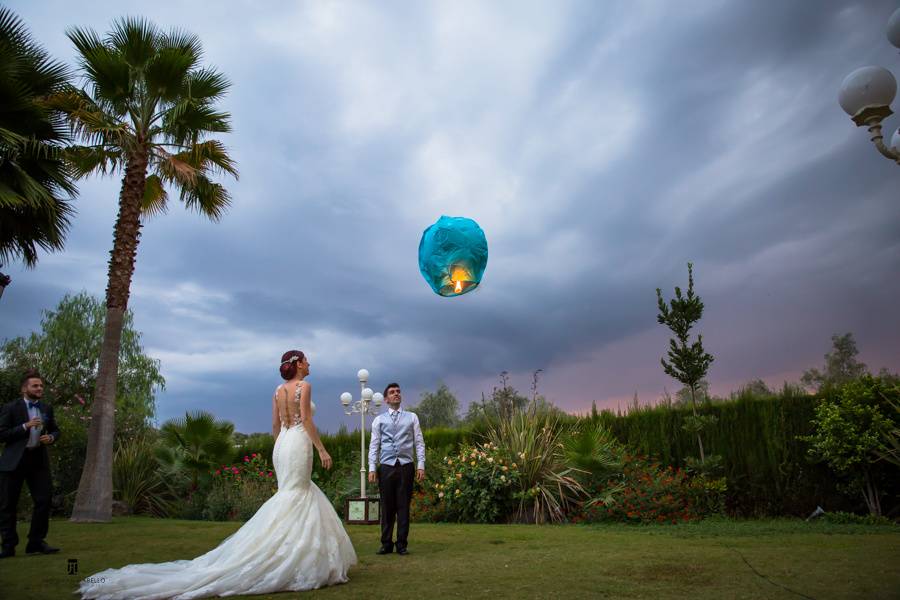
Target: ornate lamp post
(362,509)
(866,95)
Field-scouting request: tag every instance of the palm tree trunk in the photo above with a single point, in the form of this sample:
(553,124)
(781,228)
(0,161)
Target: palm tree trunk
(93,503)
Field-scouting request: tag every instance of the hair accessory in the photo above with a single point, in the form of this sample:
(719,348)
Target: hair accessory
(292,359)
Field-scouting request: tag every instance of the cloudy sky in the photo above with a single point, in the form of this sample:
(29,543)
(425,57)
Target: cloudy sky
(600,145)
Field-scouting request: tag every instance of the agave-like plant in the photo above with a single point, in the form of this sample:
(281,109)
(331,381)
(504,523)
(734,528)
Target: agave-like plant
(137,480)
(548,485)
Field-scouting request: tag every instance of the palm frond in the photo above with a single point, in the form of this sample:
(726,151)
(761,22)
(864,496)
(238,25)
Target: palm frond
(186,121)
(11,138)
(106,69)
(185,41)
(206,197)
(172,168)
(27,225)
(89,120)
(135,39)
(206,84)
(209,157)
(166,72)
(155,197)
(90,159)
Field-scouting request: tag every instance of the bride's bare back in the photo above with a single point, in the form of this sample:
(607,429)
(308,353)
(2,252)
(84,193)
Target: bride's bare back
(287,408)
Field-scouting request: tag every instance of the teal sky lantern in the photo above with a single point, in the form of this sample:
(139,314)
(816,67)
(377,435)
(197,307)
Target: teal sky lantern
(452,255)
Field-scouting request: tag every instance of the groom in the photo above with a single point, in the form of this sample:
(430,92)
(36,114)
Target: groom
(393,434)
(27,427)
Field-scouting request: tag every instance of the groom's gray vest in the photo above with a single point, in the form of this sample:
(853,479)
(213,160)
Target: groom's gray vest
(394,439)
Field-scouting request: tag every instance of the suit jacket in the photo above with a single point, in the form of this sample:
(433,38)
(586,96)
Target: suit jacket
(12,416)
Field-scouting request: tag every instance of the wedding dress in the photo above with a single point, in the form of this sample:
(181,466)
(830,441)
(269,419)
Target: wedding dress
(295,541)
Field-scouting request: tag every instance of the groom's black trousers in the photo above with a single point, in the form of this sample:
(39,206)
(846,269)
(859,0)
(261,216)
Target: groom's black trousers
(33,469)
(395,483)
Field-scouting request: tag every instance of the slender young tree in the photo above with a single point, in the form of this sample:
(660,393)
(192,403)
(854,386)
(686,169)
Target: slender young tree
(688,362)
(36,184)
(147,110)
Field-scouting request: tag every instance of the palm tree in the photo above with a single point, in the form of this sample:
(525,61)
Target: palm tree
(195,446)
(35,181)
(147,110)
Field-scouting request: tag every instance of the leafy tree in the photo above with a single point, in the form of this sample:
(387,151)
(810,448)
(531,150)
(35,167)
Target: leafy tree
(147,110)
(194,446)
(66,351)
(852,423)
(841,365)
(437,409)
(504,402)
(756,387)
(35,181)
(688,363)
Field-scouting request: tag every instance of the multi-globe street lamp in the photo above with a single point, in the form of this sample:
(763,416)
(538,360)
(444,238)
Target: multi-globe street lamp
(362,509)
(866,95)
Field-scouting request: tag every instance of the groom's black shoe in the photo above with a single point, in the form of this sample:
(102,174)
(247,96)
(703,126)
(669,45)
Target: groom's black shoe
(41,548)
(402,551)
(8,552)
(385,550)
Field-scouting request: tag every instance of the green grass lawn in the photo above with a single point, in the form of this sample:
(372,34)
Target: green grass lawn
(711,559)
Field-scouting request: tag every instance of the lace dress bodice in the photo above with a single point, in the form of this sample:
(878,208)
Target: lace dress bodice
(289,413)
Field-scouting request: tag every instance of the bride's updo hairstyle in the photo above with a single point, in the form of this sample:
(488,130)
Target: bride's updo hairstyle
(289,362)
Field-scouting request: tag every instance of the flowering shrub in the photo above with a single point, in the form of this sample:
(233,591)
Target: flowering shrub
(651,493)
(254,467)
(239,490)
(228,502)
(477,486)
(426,506)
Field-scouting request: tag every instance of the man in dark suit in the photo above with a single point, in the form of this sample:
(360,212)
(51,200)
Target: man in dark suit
(27,427)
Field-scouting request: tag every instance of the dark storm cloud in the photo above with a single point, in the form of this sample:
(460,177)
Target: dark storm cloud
(600,145)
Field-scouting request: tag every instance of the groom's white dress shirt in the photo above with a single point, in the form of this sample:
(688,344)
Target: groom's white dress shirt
(34,434)
(394,433)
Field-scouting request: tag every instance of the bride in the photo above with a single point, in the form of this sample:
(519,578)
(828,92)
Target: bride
(295,541)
